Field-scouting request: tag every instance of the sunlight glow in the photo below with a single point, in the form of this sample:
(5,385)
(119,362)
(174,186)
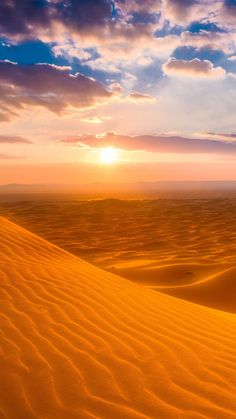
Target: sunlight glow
(108,155)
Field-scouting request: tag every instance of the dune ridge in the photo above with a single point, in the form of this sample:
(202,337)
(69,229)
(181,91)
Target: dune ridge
(79,342)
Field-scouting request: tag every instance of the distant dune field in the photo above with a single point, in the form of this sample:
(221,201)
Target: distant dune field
(183,247)
(79,342)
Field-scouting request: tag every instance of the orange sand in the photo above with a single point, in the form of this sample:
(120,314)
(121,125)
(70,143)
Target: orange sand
(78,342)
(185,248)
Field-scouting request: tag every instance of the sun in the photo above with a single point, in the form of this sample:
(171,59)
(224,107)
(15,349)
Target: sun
(108,155)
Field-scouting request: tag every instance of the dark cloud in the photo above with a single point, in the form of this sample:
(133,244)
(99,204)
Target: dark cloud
(154,143)
(229,12)
(27,18)
(14,139)
(22,17)
(48,19)
(80,14)
(49,86)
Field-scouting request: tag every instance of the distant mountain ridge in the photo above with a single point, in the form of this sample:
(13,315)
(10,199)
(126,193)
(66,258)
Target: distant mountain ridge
(106,187)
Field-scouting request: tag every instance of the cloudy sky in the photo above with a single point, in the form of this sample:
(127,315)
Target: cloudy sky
(153,80)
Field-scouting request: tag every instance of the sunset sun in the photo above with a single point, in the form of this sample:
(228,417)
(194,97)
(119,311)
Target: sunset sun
(108,155)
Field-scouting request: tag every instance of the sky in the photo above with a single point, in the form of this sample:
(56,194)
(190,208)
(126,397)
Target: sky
(117,90)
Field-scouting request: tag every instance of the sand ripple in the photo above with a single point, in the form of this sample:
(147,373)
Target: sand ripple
(78,342)
(183,247)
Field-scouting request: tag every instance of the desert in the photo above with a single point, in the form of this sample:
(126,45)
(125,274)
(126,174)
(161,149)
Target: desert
(184,247)
(100,338)
(117,209)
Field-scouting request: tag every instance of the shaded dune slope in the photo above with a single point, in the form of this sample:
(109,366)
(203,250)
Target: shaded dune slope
(78,342)
(206,284)
(217,290)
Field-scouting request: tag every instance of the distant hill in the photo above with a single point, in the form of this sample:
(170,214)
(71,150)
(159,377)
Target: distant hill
(139,190)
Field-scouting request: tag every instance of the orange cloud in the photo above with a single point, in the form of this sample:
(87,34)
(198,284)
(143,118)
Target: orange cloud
(154,143)
(14,139)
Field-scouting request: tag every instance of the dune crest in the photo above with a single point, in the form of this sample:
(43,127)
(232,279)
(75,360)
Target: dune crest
(79,342)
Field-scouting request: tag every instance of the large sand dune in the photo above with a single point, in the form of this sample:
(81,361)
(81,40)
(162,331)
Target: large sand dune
(183,247)
(78,342)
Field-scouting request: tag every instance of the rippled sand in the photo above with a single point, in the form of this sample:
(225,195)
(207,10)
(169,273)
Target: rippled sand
(184,247)
(79,342)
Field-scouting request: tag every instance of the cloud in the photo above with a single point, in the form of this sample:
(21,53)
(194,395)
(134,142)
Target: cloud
(224,41)
(150,6)
(179,10)
(116,88)
(18,20)
(95,119)
(102,64)
(230,137)
(185,11)
(228,12)
(4,116)
(30,18)
(86,23)
(48,86)
(4,156)
(153,143)
(117,30)
(193,68)
(13,139)
(140,97)
(123,32)
(99,21)
(70,50)
(94,18)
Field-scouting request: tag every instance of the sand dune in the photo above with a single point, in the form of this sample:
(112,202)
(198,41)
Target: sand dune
(78,342)
(185,247)
(205,284)
(154,274)
(217,290)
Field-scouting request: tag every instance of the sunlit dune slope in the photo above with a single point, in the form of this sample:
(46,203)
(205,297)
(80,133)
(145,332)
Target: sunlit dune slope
(78,342)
